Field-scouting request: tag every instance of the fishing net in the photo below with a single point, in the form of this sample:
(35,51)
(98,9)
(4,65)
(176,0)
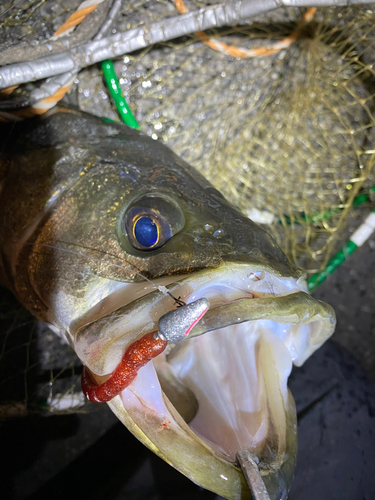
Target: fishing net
(288,138)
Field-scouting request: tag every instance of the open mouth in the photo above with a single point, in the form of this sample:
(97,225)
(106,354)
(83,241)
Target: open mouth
(227,382)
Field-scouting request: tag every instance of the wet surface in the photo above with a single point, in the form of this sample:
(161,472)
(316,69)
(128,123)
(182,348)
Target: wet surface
(351,292)
(91,455)
(336,426)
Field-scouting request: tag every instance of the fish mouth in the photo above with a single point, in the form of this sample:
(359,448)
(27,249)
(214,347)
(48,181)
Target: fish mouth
(224,388)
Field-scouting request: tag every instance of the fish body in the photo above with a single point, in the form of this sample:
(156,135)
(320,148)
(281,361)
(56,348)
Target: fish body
(95,217)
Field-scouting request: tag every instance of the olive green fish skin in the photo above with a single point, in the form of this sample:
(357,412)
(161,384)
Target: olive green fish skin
(68,179)
(66,182)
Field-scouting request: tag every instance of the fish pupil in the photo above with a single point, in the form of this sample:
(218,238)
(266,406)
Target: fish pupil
(146,232)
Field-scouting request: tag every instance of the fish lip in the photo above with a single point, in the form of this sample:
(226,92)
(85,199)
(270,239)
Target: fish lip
(189,288)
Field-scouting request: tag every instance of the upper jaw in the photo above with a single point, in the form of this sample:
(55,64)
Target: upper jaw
(101,342)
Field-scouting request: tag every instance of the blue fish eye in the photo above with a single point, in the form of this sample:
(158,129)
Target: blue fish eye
(146,232)
(150,222)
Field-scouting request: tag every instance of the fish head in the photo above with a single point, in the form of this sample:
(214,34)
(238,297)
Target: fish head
(134,221)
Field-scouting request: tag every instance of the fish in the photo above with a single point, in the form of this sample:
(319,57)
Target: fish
(104,231)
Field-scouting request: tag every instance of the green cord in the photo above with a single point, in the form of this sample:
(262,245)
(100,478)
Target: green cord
(362,198)
(115,90)
(316,279)
(108,120)
(358,200)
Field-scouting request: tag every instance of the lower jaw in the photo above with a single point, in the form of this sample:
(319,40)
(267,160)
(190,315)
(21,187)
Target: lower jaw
(262,411)
(251,407)
(263,419)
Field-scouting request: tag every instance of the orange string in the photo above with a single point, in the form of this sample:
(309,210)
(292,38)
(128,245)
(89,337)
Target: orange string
(234,51)
(75,19)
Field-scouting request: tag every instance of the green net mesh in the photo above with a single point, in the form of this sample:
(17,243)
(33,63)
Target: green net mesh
(288,138)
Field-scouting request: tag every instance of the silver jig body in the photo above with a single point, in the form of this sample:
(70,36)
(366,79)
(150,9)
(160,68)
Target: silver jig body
(175,325)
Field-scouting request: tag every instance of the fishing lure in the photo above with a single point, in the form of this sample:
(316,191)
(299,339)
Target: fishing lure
(174,326)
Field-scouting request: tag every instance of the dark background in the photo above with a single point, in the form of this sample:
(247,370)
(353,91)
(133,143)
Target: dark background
(91,455)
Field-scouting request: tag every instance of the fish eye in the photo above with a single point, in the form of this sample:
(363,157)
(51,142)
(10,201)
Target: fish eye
(146,232)
(151,221)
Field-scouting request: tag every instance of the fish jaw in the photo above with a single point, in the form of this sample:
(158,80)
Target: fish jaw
(244,365)
(166,434)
